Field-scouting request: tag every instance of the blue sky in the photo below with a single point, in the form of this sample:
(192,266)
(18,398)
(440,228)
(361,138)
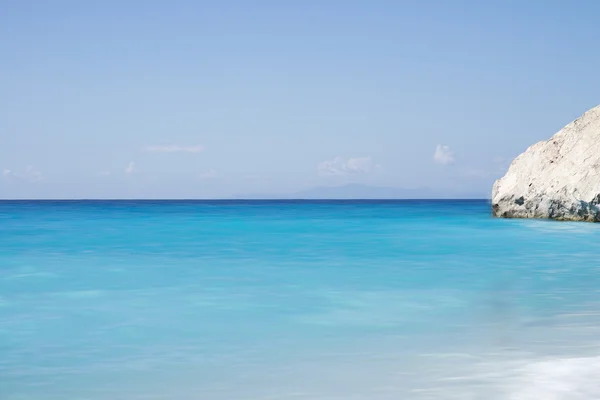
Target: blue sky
(193,99)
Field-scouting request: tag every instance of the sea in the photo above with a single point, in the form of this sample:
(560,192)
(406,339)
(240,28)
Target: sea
(295,300)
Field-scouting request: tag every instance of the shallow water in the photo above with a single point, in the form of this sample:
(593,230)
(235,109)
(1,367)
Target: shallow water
(295,300)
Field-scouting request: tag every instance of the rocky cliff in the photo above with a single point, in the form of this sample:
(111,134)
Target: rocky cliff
(558,178)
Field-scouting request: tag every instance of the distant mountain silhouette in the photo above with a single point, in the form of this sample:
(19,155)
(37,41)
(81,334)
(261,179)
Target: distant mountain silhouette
(358,191)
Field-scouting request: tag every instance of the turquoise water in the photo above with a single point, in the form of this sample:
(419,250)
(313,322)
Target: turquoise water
(295,300)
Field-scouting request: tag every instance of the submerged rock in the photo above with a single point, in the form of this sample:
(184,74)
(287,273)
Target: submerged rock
(558,178)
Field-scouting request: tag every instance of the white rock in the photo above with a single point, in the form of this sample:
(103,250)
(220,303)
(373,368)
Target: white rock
(558,178)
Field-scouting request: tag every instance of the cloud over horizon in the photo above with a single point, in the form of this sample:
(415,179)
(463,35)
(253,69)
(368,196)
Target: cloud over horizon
(29,175)
(443,155)
(130,168)
(352,166)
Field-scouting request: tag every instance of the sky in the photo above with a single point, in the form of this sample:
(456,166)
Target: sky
(213,99)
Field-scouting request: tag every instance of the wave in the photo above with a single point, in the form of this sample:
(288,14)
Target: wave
(558,378)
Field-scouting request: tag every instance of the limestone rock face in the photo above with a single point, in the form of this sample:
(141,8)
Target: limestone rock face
(558,178)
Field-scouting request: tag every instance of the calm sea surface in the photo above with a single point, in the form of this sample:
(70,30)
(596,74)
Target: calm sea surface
(268,300)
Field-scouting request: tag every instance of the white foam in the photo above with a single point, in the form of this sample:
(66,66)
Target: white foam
(559,226)
(558,379)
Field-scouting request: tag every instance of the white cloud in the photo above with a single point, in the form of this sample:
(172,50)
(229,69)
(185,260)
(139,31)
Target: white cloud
(130,168)
(33,174)
(443,155)
(30,174)
(173,148)
(352,166)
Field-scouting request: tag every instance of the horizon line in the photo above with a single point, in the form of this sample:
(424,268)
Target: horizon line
(247,199)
